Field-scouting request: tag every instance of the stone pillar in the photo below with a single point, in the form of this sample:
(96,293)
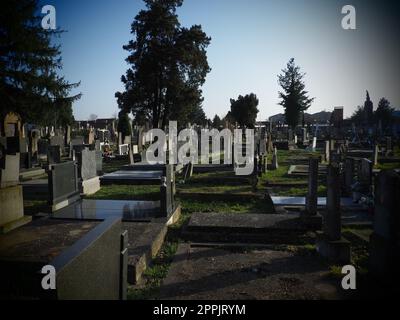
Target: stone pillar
(330,244)
(349,174)
(275,165)
(312,195)
(11,196)
(376,154)
(332,222)
(270,144)
(384,241)
(314,143)
(327,151)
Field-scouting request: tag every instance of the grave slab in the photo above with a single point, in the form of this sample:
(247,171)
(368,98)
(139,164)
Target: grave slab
(82,253)
(101,209)
(132,177)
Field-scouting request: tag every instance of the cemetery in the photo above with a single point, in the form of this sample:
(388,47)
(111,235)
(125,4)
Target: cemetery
(303,210)
(160,202)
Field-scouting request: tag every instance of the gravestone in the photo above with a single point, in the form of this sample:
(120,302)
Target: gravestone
(89,258)
(99,163)
(43,145)
(54,154)
(25,160)
(97,145)
(275,164)
(87,164)
(123,149)
(376,154)
(327,151)
(349,175)
(365,175)
(330,243)
(11,199)
(304,135)
(67,135)
(77,141)
(167,190)
(384,241)
(57,141)
(270,147)
(23,145)
(63,184)
(312,194)
(314,143)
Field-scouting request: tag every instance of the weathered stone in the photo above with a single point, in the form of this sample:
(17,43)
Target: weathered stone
(87,164)
(312,195)
(384,241)
(349,175)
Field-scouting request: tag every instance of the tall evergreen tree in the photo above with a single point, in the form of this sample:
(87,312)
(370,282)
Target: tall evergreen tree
(124,124)
(294,98)
(217,122)
(168,65)
(29,66)
(244,110)
(384,113)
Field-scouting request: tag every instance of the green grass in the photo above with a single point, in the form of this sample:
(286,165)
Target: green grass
(198,188)
(113,165)
(154,275)
(296,191)
(127,192)
(251,206)
(388,166)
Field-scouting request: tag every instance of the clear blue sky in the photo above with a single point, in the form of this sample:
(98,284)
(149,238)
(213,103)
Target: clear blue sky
(252,40)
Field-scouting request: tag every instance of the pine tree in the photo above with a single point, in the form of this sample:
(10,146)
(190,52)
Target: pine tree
(244,110)
(294,98)
(168,66)
(29,64)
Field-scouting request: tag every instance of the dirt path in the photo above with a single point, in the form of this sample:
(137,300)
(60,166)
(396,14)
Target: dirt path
(215,273)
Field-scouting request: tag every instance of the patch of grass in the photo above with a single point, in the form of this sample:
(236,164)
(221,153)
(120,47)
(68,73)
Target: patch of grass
(252,206)
(336,271)
(32,207)
(388,166)
(113,165)
(127,192)
(215,188)
(154,275)
(302,250)
(296,191)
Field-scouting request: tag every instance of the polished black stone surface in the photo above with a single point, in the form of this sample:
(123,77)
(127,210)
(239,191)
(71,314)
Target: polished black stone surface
(103,209)
(132,177)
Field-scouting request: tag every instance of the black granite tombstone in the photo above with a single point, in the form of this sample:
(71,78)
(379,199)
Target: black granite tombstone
(99,163)
(87,164)
(54,154)
(63,184)
(89,259)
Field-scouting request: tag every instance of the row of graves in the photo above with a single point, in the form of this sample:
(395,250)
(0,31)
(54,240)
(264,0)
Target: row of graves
(74,248)
(356,194)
